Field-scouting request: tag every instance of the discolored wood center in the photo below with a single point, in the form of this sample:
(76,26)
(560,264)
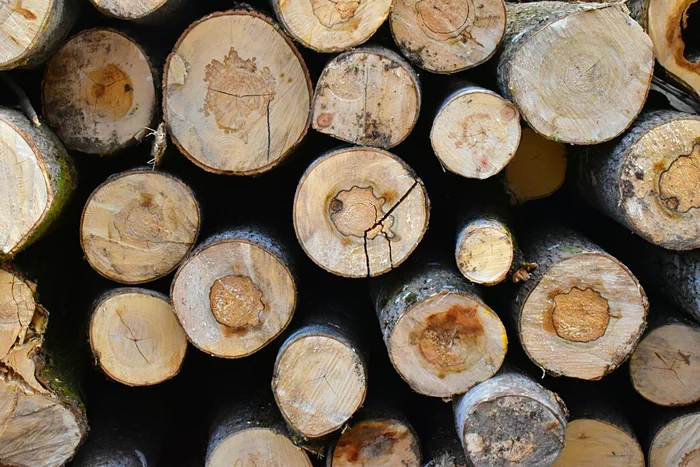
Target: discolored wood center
(452,337)
(359,213)
(678,184)
(691,459)
(372,442)
(580,315)
(110,91)
(237,302)
(333,12)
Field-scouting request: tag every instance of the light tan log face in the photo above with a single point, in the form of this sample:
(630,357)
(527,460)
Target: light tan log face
(360,212)
(233,297)
(584,317)
(659,181)
(447,343)
(677,444)
(27,195)
(589,67)
(128,9)
(592,443)
(98,92)
(329,25)
(538,168)
(484,252)
(447,36)
(665,367)
(257,447)
(378,442)
(138,226)
(16,310)
(238,104)
(136,338)
(22,23)
(666,21)
(476,133)
(318,383)
(367,97)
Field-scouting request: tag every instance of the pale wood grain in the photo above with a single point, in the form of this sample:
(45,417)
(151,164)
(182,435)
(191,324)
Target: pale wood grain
(593,443)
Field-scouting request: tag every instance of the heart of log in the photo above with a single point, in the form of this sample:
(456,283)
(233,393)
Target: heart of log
(138,225)
(98,92)
(360,212)
(447,36)
(240,104)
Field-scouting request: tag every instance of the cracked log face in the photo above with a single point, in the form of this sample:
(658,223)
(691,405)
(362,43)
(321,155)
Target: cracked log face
(665,366)
(476,133)
(377,441)
(445,344)
(509,421)
(485,251)
(136,338)
(673,27)
(584,316)
(677,443)
(237,105)
(593,443)
(28,404)
(257,446)
(332,25)
(98,92)
(319,381)
(360,212)
(447,36)
(537,170)
(368,96)
(128,9)
(138,226)
(233,297)
(581,69)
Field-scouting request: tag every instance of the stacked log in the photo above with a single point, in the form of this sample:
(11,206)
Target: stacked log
(675,441)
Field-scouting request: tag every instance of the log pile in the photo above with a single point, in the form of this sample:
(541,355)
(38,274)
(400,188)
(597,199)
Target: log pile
(425,233)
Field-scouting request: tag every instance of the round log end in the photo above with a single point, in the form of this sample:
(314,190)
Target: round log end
(332,26)
(447,36)
(136,338)
(538,168)
(677,443)
(485,252)
(23,29)
(253,107)
(592,442)
(98,92)
(367,97)
(137,226)
(128,9)
(664,366)
(447,343)
(257,446)
(587,67)
(233,297)
(584,316)
(377,442)
(360,212)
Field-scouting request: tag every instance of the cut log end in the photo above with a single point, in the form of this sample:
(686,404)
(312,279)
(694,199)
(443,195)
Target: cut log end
(447,343)
(253,107)
(233,297)
(588,66)
(22,29)
(138,226)
(318,382)
(485,252)
(257,446)
(332,26)
(377,442)
(447,36)
(360,212)
(537,170)
(98,92)
(128,9)
(573,325)
(476,133)
(136,338)
(664,367)
(591,443)
(677,443)
(367,97)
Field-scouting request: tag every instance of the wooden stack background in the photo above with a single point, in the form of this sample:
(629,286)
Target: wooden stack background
(307,232)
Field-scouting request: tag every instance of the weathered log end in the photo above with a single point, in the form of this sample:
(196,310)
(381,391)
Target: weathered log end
(485,251)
